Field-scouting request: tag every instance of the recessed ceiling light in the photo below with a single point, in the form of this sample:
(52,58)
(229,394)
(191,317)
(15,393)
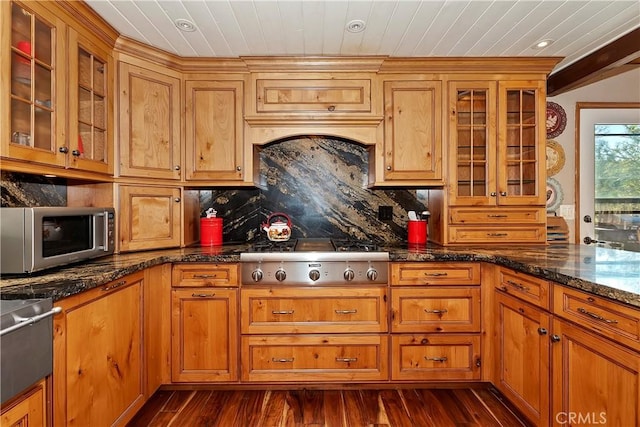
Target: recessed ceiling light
(356,26)
(185,25)
(543,43)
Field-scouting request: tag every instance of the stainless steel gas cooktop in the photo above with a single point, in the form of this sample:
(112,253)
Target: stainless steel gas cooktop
(314,261)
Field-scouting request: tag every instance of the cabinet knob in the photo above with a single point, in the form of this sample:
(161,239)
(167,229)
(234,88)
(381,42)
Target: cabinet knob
(177,200)
(542,331)
(64,150)
(75,153)
(238,168)
(503,193)
(388,168)
(177,167)
(332,108)
(494,194)
(555,338)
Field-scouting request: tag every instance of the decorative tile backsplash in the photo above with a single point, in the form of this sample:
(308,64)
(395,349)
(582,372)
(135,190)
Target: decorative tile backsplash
(320,183)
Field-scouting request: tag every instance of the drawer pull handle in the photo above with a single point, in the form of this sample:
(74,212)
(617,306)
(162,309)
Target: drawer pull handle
(496,216)
(518,286)
(436,359)
(596,316)
(203,295)
(204,276)
(283,360)
(354,311)
(115,285)
(443,311)
(282,311)
(497,234)
(346,359)
(436,274)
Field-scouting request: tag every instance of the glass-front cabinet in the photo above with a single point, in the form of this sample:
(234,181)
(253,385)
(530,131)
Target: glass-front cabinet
(34,101)
(497,140)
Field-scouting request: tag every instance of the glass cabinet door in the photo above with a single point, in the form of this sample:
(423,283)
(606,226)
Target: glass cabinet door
(472,133)
(522,145)
(33,74)
(88,105)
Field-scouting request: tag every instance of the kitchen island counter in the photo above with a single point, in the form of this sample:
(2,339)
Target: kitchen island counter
(604,272)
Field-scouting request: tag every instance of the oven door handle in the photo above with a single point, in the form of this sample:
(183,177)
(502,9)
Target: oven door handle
(26,321)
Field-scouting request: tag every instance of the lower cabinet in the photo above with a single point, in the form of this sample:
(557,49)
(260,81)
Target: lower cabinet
(27,410)
(98,364)
(204,325)
(522,362)
(595,381)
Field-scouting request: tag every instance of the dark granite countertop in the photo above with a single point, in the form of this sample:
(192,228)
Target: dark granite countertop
(604,272)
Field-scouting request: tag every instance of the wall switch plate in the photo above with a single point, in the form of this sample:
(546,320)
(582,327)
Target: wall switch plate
(567,212)
(385,213)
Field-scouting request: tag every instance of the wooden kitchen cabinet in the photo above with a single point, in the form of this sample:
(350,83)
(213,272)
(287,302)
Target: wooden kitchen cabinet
(593,378)
(149,106)
(27,410)
(58,103)
(149,217)
(522,362)
(204,323)
(214,140)
(413,143)
(98,355)
(497,175)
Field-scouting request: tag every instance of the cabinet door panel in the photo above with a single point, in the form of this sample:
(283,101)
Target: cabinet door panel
(214,137)
(594,378)
(205,332)
(150,217)
(413,130)
(149,105)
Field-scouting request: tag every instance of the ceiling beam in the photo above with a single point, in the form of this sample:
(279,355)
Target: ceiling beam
(592,67)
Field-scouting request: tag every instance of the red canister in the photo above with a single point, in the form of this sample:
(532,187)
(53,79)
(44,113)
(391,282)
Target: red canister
(417,232)
(210,231)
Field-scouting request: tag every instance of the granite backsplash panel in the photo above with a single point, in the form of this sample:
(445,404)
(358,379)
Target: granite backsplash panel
(320,183)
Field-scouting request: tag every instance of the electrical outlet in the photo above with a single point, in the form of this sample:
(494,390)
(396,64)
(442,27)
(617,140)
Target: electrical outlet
(567,211)
(385,213)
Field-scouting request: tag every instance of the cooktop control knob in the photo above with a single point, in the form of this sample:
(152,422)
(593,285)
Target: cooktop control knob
(314,274)
(372,274)
(256,275)
(280,275)
(349,274)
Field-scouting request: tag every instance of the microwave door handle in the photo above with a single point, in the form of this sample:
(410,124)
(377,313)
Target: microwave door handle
(105,230)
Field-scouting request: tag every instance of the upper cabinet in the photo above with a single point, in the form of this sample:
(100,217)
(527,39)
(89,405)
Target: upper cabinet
(56,106)
(149,108)
(33,98)
(214,139)
(413,132)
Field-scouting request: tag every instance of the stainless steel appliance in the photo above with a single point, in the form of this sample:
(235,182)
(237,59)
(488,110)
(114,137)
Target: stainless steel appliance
(314,261)
(36,238)
(26,344)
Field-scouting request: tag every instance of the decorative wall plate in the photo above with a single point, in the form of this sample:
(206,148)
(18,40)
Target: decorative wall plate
(554,195)
(556,119)
(555,157)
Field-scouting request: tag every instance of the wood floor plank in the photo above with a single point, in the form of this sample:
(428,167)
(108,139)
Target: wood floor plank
(333,406)
(177,400)
(500,411)
(212,408)
(233,413)
(434,408)
(153,406)
(191,412)
(476,410)
(273,408)
(394,409)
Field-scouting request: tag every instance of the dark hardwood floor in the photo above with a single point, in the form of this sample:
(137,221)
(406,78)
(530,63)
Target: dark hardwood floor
(354,408)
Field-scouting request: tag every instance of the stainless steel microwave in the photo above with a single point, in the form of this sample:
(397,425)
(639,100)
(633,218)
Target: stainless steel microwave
(36,238)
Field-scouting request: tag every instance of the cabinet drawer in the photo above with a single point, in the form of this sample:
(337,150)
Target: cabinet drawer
(501,216)
(530,234)
(611,319)
(314,358)
(196,275)
(435,310)
(313,310)
(328,95)
(523,286)
(435,273)
(440,357)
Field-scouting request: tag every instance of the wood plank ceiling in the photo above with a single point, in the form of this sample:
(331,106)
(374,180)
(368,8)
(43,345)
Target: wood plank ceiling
(584,32)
